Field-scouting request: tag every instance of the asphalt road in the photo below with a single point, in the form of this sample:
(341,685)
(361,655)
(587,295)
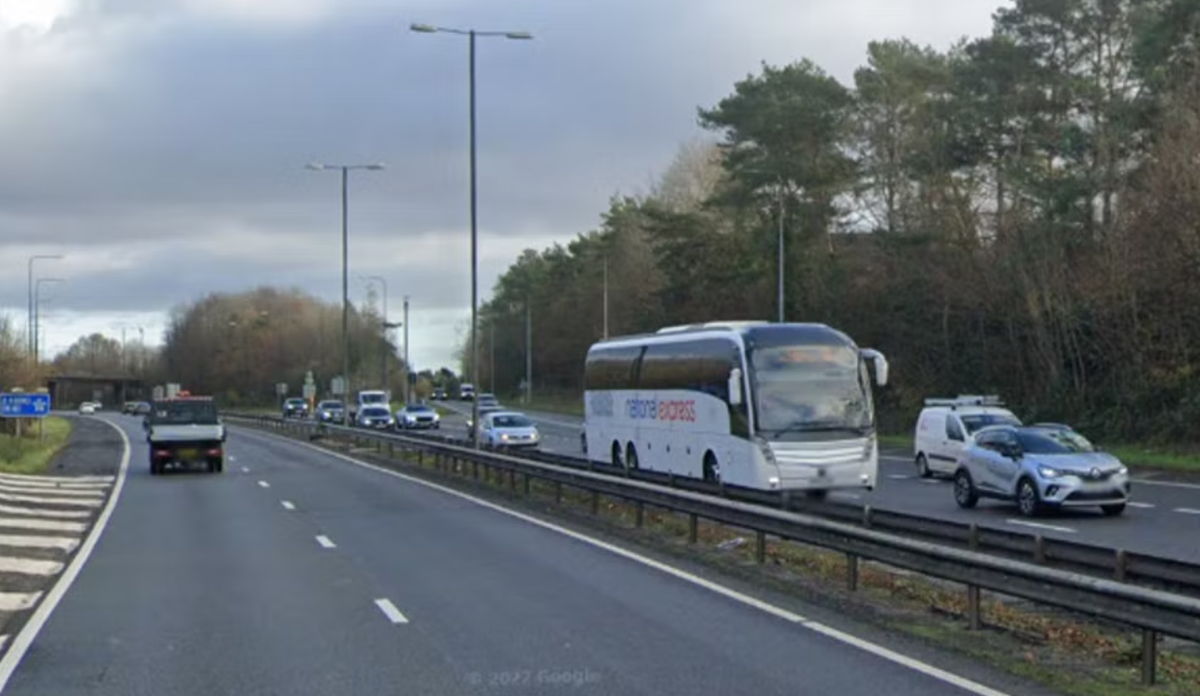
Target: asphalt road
(1162,519)
(296,572)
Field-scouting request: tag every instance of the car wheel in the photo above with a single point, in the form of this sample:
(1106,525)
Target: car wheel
(1113,510)
(923,466)
(1029,502)
(964,490)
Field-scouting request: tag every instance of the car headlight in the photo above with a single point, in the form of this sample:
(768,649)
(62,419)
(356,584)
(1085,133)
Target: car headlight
(1122,471)
(1048,472)
(504,436)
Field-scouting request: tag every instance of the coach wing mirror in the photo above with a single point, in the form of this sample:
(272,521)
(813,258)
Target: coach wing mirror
(880,363)
(735,386)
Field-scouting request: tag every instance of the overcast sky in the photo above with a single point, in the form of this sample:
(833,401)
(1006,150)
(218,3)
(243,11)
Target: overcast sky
(159,145)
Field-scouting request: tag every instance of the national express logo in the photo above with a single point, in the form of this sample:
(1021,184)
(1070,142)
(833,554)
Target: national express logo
(600,404)
(683,410)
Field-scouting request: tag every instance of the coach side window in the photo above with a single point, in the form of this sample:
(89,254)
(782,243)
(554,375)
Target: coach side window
(612,368)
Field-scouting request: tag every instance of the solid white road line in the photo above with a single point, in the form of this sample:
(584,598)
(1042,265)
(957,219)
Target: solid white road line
(44,512)
(929,670)
(899,477)
(43,525)
(1140,505)
(934,481)
(67,544)
(22,641)
(77,502)
(287,505)
(325,542)
(263,484)
(65,484)
(18,601)
(29,566)
(1039,525)
(40,490)
(390,611)
(1188,511)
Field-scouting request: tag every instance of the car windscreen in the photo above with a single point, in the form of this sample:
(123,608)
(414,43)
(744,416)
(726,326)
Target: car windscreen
(418,408)
(975,421)
(375,411)
(183,413)
(512,422)
(1053,441)
(330,405)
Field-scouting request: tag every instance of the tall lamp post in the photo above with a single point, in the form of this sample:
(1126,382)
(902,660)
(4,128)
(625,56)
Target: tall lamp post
(30,329)
(37,316)
(471,34)
(345,170)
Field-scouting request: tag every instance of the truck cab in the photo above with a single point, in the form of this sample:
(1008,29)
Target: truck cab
(185,432)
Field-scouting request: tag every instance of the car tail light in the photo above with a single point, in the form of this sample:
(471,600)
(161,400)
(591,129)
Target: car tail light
(162,453)
(214,452)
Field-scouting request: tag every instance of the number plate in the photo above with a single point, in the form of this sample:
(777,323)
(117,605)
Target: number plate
(189,453)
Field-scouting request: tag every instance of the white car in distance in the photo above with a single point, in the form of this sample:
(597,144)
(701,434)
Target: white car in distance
(509,429)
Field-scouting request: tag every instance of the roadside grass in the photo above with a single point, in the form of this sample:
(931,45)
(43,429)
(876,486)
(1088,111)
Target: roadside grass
(30,454)
(1069,652)
(563,404)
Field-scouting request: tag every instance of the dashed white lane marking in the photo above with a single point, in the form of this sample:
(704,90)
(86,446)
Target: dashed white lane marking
(41,490)
(925,668)
(1039,525)
(325,542)
(14,498)
(936,482)
(66,544)
(1140,505)
(245,469)
(42,525)
(29,566)
(1188,511)
(18,601)
(263,484)
(390,611)
(287,505)
(43,512)
(899,477)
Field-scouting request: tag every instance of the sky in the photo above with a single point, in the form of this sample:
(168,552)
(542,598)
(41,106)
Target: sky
(159,146)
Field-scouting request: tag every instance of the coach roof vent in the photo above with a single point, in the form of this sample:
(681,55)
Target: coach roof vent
(729,325)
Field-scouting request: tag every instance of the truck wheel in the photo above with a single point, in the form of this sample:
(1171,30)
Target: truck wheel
(215,466)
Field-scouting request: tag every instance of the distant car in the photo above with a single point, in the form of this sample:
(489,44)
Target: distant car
(482,412)
(487,400)
(330,411)
(295,408)
(466,392)
(1041,468)
(129,408)
(417,416)
(87,408)
(141,408)
(508,429)
(374,417)
(439,395)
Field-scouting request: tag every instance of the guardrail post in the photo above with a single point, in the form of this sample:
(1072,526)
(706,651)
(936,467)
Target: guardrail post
(973,537)
(1120,564)
(693,527)
(760,547)
(1039,549)
(391,450)
(974,608)
(639,514)
(475,470)
(512,480)
(1149,656)
(557,492)
(595,503)
(868,516)
(526,478)
(852,572)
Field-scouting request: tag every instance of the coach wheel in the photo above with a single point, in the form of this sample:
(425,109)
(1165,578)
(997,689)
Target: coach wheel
(616,454)
(631,457)
(712,470)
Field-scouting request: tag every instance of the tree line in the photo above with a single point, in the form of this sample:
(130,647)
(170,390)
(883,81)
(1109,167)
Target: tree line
(1015,214)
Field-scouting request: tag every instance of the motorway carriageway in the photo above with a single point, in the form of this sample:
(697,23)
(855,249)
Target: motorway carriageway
(302,572)
(1163,518)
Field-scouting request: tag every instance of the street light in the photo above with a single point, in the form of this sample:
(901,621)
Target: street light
(471,34)
(384,326)
(345,169)
(37,304)
(30,332)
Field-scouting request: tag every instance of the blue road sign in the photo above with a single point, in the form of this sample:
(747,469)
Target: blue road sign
(24,405)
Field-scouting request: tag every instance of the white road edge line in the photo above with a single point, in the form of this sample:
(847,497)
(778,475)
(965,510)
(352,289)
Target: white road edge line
(263,484)
(287,505)
(390,611)
(1039,525)
(1188,511)
(925,668)
(21,642)
(325,542)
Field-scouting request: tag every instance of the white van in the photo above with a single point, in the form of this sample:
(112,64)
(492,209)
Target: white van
(945,426)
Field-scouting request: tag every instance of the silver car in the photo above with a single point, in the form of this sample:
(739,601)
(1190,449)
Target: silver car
(1041,468)
(374,417)
(508,429)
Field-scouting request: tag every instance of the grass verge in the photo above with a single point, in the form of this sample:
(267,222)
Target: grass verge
(31,454)
(562,404)
(1068,652)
